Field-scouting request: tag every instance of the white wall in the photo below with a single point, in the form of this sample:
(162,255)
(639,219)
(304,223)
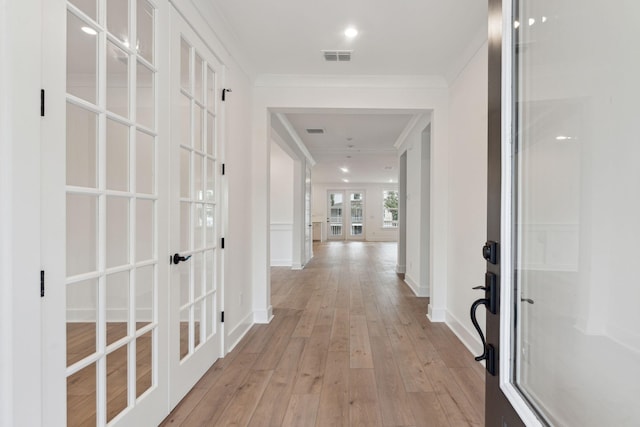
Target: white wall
(467,196)
(373,208)
(281,207)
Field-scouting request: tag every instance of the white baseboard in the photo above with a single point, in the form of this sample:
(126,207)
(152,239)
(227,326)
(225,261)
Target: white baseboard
(263,316)
(470,339)
(419,291)
(401,269)
(436,315)
(297,267)
(281,263)
(238,332)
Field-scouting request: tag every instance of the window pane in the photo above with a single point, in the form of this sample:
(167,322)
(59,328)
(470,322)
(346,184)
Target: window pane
(198,83)
(211,90)
(145,285)
(144,363)
(117,306)
(81,393)
(185,66)
(118,19)
(117,231)
(145,98)
(145,163)
(117,156)
(117,80)
(117,363)
(82,48)
(82,168)
(145,221)
(82,315)
(86,6)
(82,234)
(145,18)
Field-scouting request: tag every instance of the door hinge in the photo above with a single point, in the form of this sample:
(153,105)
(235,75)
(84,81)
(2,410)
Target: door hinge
(222,243)
(223,169)
(222,317)
(41,283)
(41,102)
(224,94)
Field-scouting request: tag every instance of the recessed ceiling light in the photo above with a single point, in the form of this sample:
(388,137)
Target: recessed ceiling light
(345,180)
(390,180)
(531,21)
(516,24)
(544,19)
(563,138)
(345,170)
(351,32)
(89,31)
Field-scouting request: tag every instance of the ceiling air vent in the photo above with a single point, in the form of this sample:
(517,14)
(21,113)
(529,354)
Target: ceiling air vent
(315,131)
(337,55)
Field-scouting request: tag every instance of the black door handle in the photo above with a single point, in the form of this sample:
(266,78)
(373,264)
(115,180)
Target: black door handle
(176,258)
(474,307)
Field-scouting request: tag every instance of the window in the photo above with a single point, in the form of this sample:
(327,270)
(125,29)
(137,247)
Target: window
(390,206)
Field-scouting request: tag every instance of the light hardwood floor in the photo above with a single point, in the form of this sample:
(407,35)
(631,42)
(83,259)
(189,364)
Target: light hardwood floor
(349,346)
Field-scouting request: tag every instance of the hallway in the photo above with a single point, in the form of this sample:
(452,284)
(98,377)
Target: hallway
(349,345)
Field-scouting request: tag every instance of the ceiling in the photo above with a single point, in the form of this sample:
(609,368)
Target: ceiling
(402,37)
(361,141)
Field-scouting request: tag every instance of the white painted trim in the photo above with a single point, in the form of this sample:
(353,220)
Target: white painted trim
(407,131)
(296,138)
(419,291)
(506,356)
(401,269)
(323,81)
(235,336)
(282,263)
(469,338)
(263,316)
(477,42)
(436,315)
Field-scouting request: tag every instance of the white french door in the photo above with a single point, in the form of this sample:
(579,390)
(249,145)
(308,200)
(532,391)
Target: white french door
(345,215)
(195,289)
(105,321)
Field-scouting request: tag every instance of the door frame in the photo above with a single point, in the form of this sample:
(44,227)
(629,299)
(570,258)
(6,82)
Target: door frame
(505,405)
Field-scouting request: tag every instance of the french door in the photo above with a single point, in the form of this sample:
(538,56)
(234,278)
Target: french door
(196,223)
(105,321)
(345,216)
(563,208)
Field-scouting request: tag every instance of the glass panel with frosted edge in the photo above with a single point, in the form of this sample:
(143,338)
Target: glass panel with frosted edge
(210,224)
(117,80)
(116,382)
(145,285)
(82,167)
(184,333)
(82,57)
(117,156)
(185,283)
(185,173)
(575,151)
(198,81)
(210,280)
(198,275)
(146,23)
(118,19)
(82,397)
(185,121)
(82,315)
(117,306)
(210,194)
(82,234)
(197,127)
(185,66)
(145,226)
(185,226)
(197,321)
(145,97)
(198,226)
(117,231)
(211,90)
(144,363)
(145,163)
(198,184)
(209,316)
(211,135)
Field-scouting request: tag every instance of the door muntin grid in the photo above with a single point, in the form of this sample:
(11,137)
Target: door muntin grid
(199,214)
(336,207)
(111,210)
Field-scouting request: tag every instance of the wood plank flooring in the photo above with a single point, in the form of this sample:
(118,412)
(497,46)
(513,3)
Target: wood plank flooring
(349,346)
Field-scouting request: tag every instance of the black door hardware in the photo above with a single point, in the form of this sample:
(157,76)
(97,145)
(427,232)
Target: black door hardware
(490,301)
(490,252)
(528,300)
(176,258)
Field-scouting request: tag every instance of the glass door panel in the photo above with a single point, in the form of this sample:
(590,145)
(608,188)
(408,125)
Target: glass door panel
(576,210)
(111,214)
(335,220)
(356,215)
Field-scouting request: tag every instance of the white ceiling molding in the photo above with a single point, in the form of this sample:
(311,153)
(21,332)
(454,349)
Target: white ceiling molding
(410,127)
(296,138)
(475,44)
(286,80)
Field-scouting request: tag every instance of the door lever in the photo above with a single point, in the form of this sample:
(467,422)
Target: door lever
(529,300)
(176,258)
